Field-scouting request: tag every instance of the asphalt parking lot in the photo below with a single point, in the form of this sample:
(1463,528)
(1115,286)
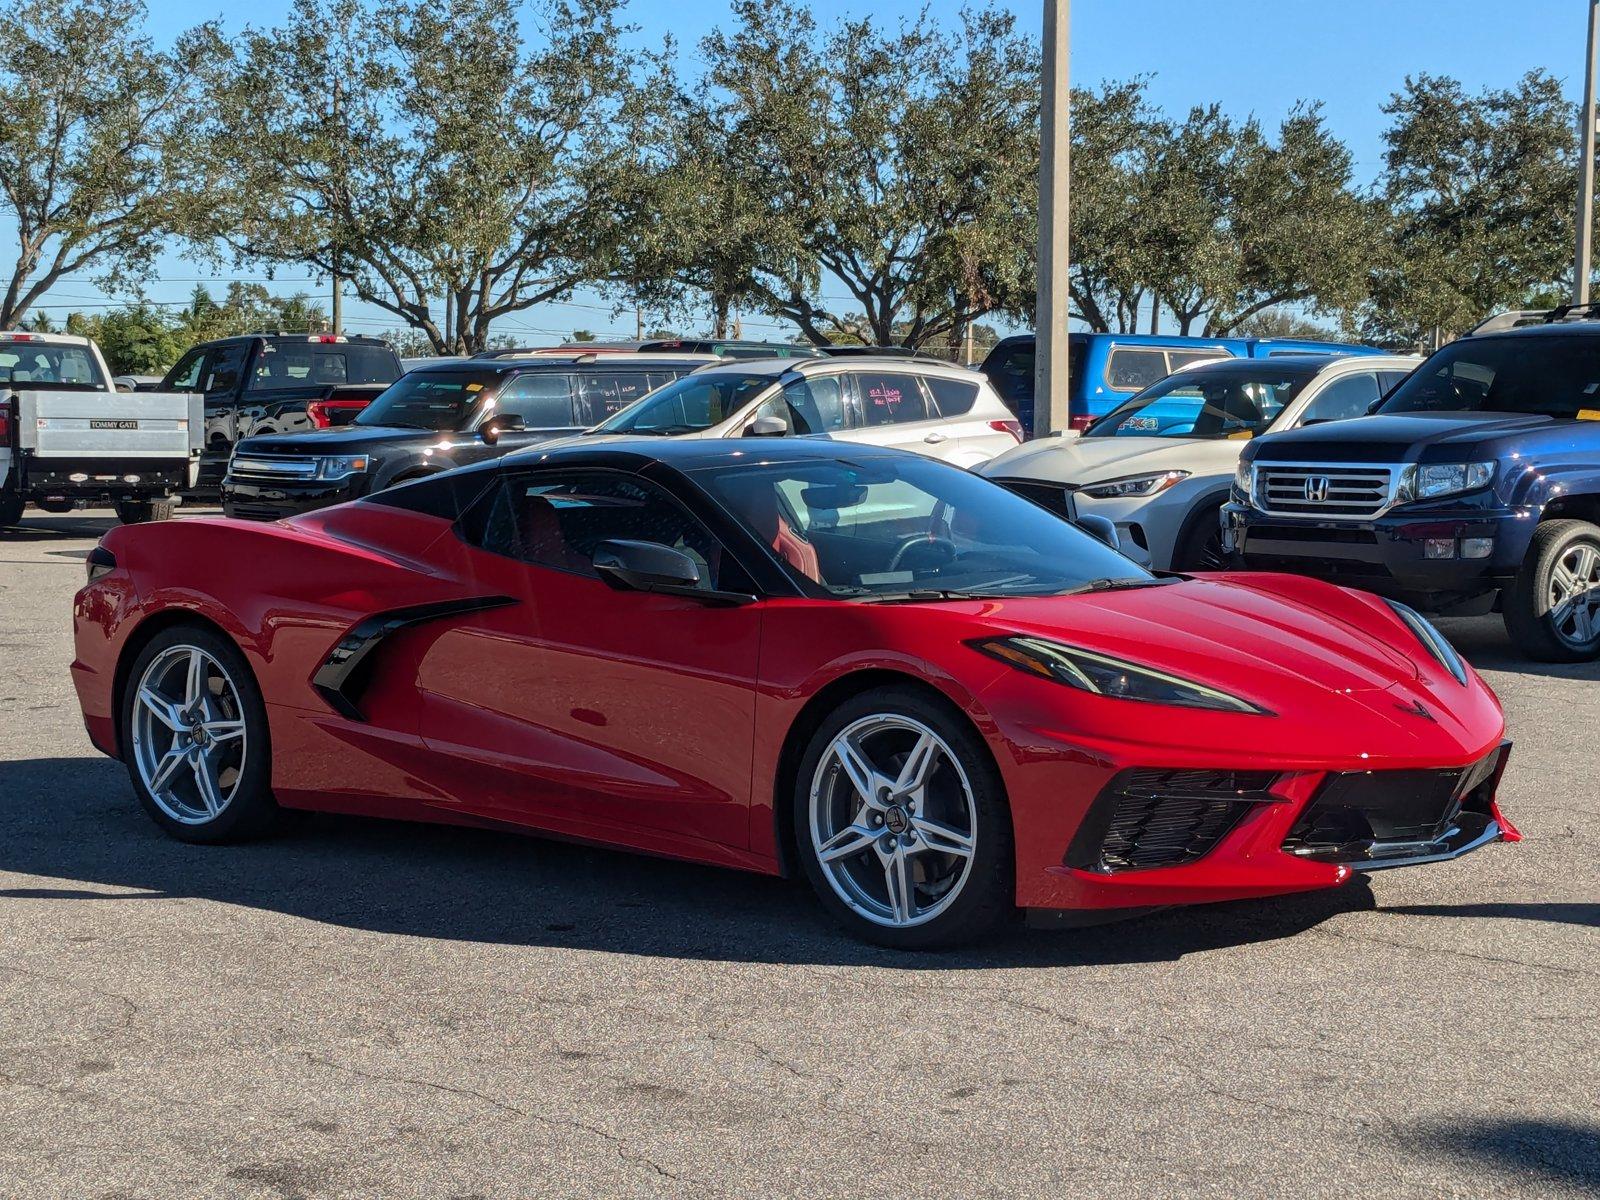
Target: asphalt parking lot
(373,1009)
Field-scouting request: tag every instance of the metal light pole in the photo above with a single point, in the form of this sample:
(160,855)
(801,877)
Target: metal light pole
(1050,413)
(1581,260)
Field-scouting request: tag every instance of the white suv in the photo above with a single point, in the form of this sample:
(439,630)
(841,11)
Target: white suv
(1159,466)
(909,403)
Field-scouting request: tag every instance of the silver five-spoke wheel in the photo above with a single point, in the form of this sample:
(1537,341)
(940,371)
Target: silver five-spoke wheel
(188,734)
(893,820)
(1575,595)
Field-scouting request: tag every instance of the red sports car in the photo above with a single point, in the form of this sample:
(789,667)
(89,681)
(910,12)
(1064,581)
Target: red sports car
(939,700)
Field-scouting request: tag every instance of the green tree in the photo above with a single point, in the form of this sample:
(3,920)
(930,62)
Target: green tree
(137,339)
(451,172)
(95,125)
(884,165)
(1481,189)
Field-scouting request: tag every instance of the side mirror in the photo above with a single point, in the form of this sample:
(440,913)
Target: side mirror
(1103,528)
(500,423)
(767,427)
(1376,405)
(645,567)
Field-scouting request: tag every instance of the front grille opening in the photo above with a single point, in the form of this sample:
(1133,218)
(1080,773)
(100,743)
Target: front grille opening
(1164,818)
(1046,495)
(1335,491)
(1359,816)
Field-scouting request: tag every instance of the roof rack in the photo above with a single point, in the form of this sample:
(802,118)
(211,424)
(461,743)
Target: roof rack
(1517,318)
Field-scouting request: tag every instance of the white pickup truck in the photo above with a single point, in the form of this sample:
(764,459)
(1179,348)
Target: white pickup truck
(69,439)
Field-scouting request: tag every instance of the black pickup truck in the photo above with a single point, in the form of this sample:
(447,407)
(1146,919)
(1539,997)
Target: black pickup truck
(278,383)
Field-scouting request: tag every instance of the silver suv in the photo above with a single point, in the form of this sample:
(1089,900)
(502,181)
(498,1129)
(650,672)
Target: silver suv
(936,409)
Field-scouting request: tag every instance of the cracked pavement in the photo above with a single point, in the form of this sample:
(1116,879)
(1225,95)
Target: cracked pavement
(363,1009)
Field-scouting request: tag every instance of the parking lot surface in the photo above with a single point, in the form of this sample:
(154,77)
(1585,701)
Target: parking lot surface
(366,1009)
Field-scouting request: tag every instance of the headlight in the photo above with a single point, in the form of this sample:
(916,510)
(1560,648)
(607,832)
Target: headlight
(1104,676)
(1422,481)
(337,466)
(1244,479)
(1134,485)
(1430,637)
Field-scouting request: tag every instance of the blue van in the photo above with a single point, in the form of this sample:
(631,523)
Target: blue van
(1104,369)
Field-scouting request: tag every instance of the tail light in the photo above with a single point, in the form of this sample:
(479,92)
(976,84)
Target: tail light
(1014,428)
(326,339)
(1080,421)
(5,424)
(322,412)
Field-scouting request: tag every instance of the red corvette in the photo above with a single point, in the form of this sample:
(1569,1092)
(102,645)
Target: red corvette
(941,701)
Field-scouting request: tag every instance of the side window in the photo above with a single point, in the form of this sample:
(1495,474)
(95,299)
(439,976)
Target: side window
(224,367)
(888,398)
(603,393)
(1129,370)
(1177,360)
(1343,398)
(954,397)
(543,401)
(186,375)
(557,519)
(809,405)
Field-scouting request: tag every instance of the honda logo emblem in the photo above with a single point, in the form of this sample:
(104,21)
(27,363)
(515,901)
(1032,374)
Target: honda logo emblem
(1316,489)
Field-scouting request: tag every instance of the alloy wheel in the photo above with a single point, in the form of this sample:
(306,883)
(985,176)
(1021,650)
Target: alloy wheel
(1575,595)
(188,734)
(893,820)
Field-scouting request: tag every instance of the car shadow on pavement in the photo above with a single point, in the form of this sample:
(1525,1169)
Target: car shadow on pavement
(1557,913)
(73,825)
(1564,1153)
(1484,643)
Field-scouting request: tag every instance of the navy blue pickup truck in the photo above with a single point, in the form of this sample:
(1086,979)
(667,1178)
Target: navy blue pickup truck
(1474,486)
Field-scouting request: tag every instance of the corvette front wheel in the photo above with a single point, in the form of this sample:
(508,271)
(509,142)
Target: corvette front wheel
(194,737)
(902,822)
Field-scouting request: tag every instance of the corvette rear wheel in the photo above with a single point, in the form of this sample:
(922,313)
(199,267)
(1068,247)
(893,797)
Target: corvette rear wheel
(1552,609)
(194,736)
(902,822)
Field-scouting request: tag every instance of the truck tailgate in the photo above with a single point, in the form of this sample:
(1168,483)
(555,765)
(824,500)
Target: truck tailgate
(143,425)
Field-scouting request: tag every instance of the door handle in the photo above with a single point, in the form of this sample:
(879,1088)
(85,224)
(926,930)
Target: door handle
(933,439)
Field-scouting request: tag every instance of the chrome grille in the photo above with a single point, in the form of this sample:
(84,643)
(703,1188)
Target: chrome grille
(273,467)
(1324,489)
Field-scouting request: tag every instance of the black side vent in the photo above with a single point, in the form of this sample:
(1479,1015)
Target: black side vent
(1164,818)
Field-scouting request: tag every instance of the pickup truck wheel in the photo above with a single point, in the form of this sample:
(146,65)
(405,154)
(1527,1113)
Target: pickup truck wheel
(11,507)
(1552,609)
(137,512)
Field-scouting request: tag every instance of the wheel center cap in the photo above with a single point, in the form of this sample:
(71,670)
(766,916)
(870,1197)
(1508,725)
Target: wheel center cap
(896,820)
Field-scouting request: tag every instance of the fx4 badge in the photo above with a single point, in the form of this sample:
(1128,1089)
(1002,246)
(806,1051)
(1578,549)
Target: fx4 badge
(1416,709)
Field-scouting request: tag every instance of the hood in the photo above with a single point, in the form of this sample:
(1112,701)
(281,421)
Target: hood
(1092,460)
(1341,674)
(1389,438)
(347,439)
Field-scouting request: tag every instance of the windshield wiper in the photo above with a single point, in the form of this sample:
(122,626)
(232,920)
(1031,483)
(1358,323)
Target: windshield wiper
(1114,584)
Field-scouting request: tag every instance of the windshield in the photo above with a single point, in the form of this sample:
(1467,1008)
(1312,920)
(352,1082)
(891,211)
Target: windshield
(437,400)
(886,528)
(689,405)
(301,364)
(44,365)
(1213,403)
(1556,376)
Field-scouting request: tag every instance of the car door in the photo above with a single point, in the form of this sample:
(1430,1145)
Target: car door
(978,428)
(814,406)
(582,708)
(894,409)
(544,401)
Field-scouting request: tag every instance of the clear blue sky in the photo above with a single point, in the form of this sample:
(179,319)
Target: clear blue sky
(1250,56)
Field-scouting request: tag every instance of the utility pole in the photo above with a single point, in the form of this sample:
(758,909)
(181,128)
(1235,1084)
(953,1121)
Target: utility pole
(1050,411)
(338,283)
(1581,260)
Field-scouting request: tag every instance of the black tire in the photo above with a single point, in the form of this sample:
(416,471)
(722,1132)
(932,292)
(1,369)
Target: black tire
(986,894)
(137,512)
(1527,605)
(250,811)
(1199,546)
(11,506)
